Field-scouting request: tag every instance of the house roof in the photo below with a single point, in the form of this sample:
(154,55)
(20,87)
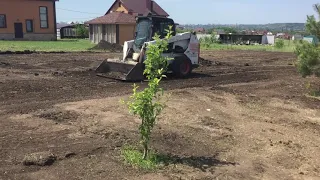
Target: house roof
(114,18)
(61,25)
(140,7)
(66,25)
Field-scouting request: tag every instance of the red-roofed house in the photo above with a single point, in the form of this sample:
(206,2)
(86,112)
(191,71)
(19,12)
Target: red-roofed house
(115,27)
(137,7)
(118,24)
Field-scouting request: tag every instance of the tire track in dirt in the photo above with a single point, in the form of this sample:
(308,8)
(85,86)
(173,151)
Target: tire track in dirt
(21,96)
(203,139)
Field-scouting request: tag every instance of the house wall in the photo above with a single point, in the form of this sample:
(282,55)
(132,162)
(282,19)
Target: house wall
(58,34)
(268,39)
(69,32)
(297,37)
(271,39)
(126,32)
(119,7)
(105,32)
(18,11)
(309,40)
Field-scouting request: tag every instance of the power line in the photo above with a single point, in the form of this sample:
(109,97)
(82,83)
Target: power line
(77,11)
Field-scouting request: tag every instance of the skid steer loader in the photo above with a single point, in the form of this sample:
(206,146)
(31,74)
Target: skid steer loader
(184,50)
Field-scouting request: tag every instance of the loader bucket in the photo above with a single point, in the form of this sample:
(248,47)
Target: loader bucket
(121,70)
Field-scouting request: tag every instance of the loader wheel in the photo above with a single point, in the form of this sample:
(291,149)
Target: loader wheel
(182,67)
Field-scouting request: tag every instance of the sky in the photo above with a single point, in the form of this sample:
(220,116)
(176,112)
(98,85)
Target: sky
(202,11)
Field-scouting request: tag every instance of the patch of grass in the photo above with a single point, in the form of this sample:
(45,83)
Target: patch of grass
(315,93)
(154,160)
(289,46)
(134,157)
(49,46)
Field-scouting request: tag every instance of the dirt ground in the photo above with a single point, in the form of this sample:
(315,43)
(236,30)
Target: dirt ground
(242,115)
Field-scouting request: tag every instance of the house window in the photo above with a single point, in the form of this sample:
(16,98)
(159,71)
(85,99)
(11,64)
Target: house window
(44,17)
(3,21)
(29,25)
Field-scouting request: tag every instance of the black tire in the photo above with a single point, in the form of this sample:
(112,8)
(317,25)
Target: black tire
(182,67)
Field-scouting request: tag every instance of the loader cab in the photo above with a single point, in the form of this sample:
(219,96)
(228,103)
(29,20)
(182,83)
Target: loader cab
(148,26)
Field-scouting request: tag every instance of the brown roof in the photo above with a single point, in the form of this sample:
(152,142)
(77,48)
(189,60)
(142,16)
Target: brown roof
(114,18)
(140,7)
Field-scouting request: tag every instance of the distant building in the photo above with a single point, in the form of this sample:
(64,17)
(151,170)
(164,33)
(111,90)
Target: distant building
(280,35)
(65,30)
(297,37)
(269,33)
(268,39)
(311,39)
(240,39)
(283,36)
(59,26)
(200,30)
(246,39)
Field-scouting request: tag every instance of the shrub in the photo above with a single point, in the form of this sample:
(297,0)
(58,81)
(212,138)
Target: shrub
(279,44)
(308,62)
(208,40)
(82,31)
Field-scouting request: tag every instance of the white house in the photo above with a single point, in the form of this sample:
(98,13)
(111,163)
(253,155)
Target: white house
(268,39)
(280,34)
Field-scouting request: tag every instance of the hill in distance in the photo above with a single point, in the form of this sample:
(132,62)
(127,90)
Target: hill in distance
(270,27)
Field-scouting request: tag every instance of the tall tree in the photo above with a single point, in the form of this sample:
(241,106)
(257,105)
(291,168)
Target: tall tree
(312,25)
(308,62)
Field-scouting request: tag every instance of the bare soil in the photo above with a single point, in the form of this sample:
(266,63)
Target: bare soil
(241,115)
(105,45)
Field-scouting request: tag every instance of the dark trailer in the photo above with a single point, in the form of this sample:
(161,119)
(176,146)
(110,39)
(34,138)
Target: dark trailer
(240,39)
(68,31)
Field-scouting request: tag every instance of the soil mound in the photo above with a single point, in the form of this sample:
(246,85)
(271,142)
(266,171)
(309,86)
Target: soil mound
(205,62)
(104,45)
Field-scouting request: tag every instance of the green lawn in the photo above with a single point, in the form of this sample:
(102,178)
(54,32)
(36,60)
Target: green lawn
(60,45)
(288,47)
(86,45)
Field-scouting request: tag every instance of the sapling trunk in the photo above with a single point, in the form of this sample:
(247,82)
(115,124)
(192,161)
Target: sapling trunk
(145,150)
